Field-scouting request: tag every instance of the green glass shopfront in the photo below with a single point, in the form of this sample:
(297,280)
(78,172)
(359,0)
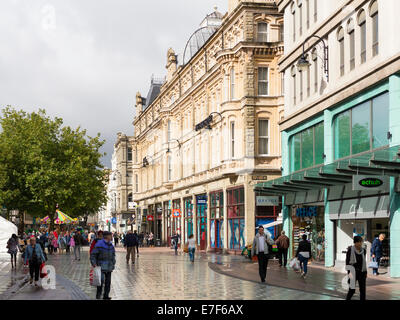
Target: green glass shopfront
(325,158)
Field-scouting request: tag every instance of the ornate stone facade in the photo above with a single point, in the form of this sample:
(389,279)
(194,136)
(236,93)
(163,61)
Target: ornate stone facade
(174,164)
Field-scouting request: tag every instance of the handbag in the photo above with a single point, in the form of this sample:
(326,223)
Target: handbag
(373,265)
(275,248)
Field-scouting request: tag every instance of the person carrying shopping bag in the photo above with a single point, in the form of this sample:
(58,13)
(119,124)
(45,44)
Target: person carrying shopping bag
(35,257)
(376,252)
(304,254)
(191,247)
(356,259)
(260,248)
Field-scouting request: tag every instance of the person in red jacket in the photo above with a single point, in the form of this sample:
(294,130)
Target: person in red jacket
(99,237)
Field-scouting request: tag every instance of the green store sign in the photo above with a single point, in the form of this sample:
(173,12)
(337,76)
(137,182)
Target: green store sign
(370,182)
(361,182)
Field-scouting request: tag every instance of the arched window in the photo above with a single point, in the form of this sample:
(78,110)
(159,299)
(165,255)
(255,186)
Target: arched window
(315,67)
(293,10)
(363,35)
(293,73)
(352,43)
(307,14)
(262,32)
(232,83)
(300,3)
(373,12)
(340,37)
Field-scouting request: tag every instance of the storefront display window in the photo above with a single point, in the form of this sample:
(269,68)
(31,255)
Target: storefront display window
(236,221)
(188,214)
(362,128)
(201,204)
(266,214)
(307,148)
(216,223)
(309,220)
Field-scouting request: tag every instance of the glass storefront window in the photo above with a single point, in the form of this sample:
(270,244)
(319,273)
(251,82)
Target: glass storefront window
(216,223)
(235,223)
(342,135)
(380,116)
(306,148)
(362,128)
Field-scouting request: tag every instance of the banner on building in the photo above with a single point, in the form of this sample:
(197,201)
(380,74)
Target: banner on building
(266,201)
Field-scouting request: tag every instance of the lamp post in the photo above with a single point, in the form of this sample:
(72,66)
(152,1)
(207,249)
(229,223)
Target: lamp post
(303,62)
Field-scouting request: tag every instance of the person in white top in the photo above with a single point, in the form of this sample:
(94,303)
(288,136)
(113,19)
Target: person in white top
(260,248)
(191,247)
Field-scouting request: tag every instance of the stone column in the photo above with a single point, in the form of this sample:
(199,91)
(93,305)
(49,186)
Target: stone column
(225,223)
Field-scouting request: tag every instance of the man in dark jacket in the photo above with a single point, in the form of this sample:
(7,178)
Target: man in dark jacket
(137,243)
(78,244)
(303,253)
(283,245)
(377,251)
(357,266)
(103,255)
(131,241)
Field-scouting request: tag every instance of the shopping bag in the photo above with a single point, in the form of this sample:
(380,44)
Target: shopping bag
(186,248)
(294,264)
(95,277)
(373,265)
(275,248)
(43,272)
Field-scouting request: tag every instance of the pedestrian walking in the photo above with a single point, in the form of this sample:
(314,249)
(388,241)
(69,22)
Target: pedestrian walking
(304,254)
(191,247)
(283,245)
(78,240)
(175,243)
(377,251)
(13,247)
(61,243)
(55,242)
(356,258)
(67,239)
(72,243)
(260,248)
(320,245)
(131,241)
(34,256)
(98,238)
(116,238)
(137,243)
(141,239)
(103,255)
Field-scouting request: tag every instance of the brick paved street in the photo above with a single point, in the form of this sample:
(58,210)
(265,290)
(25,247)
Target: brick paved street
(158,274)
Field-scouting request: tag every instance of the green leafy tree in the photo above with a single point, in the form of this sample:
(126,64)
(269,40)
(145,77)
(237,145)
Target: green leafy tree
(43,164)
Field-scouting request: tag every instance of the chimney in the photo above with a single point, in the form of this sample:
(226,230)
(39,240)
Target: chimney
(172,63)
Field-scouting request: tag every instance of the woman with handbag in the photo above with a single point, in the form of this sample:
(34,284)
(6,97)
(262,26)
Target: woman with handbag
(13,247)
(304,254)
(35,257)
(356,261)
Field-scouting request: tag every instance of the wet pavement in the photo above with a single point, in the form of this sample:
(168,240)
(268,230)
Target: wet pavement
(160,275)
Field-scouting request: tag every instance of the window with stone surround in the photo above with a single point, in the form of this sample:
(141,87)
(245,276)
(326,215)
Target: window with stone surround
(263,82)
(375,28)
(262,32)
(363,35)
(352,43)
(263,137)
(340,38)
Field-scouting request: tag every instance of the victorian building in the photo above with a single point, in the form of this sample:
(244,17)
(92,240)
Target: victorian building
(341,130)
(208,132)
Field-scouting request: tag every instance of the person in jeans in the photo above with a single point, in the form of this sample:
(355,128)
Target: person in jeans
(35,257)
(137,243)
(191,247)
(304,254)
(103,255)
(283,245)
(78,239)
(260,248)
(175,240)
(356,257)
(377,251)
(131,241)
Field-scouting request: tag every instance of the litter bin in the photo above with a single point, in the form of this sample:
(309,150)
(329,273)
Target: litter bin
(158,243)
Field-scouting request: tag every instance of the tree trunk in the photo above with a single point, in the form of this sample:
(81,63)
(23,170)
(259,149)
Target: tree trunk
(21,225)
(51,216)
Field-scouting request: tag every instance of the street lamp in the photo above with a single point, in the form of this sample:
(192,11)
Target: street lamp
(146,161)
(303,62)
(179,145)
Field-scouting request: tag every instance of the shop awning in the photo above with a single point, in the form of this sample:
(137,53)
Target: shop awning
(382,162)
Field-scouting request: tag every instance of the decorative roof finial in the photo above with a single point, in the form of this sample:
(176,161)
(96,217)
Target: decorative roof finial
(215,8)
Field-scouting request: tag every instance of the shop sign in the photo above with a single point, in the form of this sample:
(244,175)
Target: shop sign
(159,209)
(150,218)
(265,201)
(114,220)
(307,212)
(201,199)
(176,213)
(362,182)
(259,177)
(132,205)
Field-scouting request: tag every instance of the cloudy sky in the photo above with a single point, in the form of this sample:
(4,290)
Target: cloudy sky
(84,60)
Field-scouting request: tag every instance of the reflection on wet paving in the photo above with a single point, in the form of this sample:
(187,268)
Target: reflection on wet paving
(10,277)
(166,276)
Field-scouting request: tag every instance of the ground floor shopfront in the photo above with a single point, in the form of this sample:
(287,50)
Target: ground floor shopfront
(222,215)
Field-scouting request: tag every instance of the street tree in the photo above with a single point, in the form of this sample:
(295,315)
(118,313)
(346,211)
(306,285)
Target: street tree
(44,164)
